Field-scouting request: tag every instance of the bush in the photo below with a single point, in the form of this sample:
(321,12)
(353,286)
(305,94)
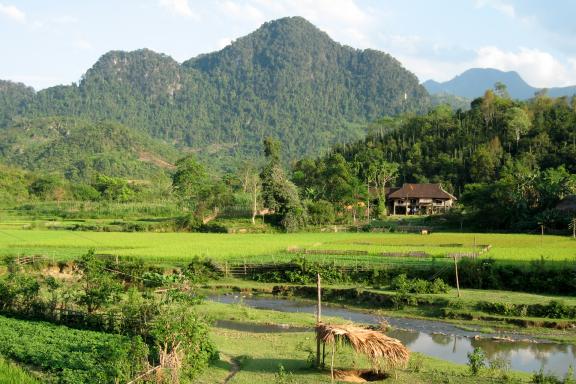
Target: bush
(181,334)
(554,309)
(401,283)
(84,192)
(544,378)
(476,361)
(320,212)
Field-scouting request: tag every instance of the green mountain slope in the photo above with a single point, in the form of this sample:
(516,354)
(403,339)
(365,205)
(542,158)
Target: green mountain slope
(287,79)
(79,149)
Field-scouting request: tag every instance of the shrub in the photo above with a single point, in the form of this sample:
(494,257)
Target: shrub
(182,336)
(84,192)
(320,212)
(401,283)
(476,361)
(544,378)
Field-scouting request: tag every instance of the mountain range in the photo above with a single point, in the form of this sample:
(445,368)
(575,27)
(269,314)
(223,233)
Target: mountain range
(474,82)
(288,80)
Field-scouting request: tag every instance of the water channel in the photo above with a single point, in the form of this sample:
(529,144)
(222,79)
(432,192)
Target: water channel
(433,338)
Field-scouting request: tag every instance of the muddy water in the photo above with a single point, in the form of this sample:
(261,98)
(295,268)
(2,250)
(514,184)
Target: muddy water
(433,338)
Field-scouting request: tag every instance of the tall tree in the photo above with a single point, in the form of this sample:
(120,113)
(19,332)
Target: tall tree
(198,191)
(384,173)
(278,192)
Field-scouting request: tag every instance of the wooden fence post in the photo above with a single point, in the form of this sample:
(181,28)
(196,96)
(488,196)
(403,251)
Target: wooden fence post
(456,271)
(318,319)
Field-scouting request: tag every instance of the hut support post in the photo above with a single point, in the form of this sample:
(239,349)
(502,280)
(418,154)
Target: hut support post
(332,361)
(318,318)
(456,271)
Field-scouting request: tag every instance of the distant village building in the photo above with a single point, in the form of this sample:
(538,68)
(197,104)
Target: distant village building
(419,199)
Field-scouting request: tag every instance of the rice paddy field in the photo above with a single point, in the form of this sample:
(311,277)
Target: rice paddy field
(253,248)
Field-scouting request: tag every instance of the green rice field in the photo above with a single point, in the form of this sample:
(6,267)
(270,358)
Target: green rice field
(61,244)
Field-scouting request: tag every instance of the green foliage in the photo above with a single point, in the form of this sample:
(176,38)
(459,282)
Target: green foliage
(283,377)
(113,188)
(511,161)
(84,192)
(320,212)
(402,284)
(72,356)
(98,287)
(11,373)
(200,193)
(541,377)
(279,194)
(46,188)
(81,149)
(476,361)
(200,271)
(287,79)
(179,331)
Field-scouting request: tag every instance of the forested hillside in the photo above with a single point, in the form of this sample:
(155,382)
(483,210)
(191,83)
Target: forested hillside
(79,149)
(509,162)
(287,80)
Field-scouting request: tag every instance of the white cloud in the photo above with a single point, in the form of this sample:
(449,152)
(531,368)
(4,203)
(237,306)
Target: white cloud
(65,19)
(13,13)
(507,9)
(435,69)
(572,62)
(178,7)
(500,6)
(83,44)
(242,11)
(538,68)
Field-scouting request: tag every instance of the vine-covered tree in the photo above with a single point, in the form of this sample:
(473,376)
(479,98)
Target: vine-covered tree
(279,194)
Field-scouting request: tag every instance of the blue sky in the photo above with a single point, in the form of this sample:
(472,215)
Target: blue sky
(46,43)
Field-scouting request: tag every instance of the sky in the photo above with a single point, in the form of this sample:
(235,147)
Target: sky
(47,43)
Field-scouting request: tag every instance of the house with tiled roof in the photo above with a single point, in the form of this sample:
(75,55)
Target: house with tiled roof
(419,199)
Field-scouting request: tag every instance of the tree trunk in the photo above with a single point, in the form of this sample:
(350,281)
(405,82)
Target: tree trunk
(368,202)
(211,217)
(254,208)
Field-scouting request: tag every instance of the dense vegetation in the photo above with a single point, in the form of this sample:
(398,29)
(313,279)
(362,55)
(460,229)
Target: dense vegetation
(288,80)
(78,149)
(510,162)
(122,327)
(73,356)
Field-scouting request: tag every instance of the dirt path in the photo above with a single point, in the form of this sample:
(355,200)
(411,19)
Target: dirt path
(234,367)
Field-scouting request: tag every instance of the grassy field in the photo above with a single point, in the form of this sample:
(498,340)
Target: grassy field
(258,356)
(272,247)
(10,373)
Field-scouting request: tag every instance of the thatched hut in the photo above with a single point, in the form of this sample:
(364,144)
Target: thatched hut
(567,204)
(381,350)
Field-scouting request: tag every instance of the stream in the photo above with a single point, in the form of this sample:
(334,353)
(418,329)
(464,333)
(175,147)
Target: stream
(432,338)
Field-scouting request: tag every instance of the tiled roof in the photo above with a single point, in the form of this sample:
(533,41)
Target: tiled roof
(422,191)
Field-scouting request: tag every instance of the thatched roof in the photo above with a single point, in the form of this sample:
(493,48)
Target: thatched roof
(375,345)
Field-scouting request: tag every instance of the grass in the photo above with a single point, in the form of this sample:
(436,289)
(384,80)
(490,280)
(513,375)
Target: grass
(259,355)
(271,247)
(11,373)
